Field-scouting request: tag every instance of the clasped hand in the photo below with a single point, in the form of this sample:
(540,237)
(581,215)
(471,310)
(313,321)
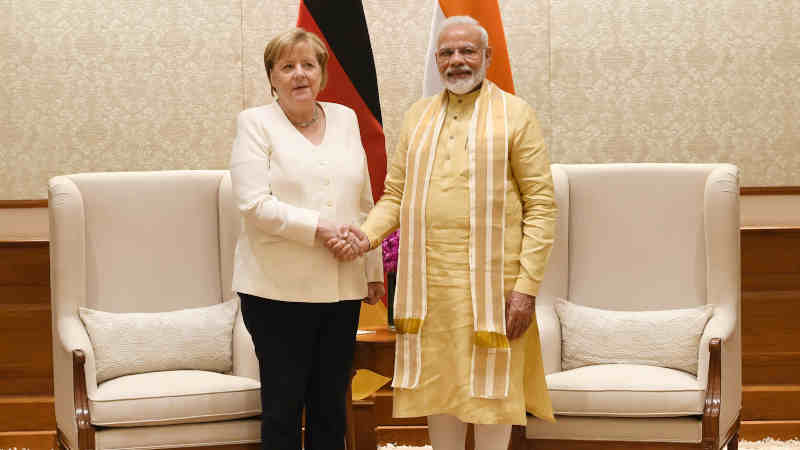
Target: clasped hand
(346,243)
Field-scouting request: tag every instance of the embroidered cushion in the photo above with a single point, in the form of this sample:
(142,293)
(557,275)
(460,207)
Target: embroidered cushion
(668,338)
(132,343)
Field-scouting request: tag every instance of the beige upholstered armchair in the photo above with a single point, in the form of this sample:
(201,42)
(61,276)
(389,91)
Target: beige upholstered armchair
(661,240)
(152,243)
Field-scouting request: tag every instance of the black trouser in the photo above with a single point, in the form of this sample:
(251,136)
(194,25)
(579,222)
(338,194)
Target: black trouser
(305,355)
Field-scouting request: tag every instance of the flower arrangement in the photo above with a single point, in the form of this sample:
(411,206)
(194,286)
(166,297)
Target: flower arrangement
(390,248)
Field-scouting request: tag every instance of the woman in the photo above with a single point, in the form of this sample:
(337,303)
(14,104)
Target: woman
(300,177)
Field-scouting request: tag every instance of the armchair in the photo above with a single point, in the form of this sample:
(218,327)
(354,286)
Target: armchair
(146,242)
(643,237)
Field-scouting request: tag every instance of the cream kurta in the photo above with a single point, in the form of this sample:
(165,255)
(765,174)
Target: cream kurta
(448,330)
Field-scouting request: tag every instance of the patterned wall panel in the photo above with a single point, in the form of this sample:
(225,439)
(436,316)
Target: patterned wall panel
(527,27)
(657,80)
(139,85)
(117,85)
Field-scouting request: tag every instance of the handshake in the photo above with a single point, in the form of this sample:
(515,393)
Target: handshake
(346,242)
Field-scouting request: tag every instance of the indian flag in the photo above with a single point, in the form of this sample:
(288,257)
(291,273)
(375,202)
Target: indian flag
(487,13)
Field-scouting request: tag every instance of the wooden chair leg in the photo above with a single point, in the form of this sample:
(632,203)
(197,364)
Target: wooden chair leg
(86,439)
(733,444)
(518,441)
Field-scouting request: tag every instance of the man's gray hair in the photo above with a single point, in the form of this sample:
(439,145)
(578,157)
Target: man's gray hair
(463,20)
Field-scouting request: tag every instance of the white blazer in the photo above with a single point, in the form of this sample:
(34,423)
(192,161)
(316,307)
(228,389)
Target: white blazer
(283,185)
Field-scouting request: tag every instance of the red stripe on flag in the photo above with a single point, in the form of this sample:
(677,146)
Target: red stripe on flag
(340,89)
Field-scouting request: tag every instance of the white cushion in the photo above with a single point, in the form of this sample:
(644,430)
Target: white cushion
(181,396)
(131,343)
(668,338)
(625,390)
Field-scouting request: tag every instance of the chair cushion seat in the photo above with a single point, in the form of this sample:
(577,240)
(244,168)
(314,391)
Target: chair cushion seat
(173,397)
(625,390)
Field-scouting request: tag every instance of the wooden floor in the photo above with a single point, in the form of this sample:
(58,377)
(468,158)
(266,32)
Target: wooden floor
(770,345)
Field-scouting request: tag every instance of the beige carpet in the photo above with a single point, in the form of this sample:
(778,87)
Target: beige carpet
(766,444)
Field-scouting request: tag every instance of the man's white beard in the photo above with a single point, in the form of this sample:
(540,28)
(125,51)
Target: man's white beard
(465,85)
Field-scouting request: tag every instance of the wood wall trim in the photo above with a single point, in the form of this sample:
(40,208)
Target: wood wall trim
(37,203)
(744,190)
(775,402)
(28,439)
(755,430)
(770,190)
(14,241)
(27,413)
(769,229)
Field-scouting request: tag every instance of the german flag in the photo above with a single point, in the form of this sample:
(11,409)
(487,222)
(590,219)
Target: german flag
(351,73)
(487,13)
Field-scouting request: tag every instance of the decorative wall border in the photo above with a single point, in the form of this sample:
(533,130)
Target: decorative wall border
(38,203)
(770,190)
(744,190)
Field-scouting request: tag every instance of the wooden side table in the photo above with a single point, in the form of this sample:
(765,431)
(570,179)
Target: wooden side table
(369,348)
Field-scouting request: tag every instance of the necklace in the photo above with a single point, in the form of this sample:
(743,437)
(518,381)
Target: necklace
(307,123)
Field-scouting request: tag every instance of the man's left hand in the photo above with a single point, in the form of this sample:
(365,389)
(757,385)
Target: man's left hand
(375,291)
(519,313)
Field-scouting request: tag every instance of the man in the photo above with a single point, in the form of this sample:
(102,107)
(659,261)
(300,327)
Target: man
(470,189)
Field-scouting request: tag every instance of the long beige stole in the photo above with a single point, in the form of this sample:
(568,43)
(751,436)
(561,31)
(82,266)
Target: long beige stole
(487,145)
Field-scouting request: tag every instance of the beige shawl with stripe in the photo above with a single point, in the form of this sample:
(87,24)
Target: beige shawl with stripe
(487,144)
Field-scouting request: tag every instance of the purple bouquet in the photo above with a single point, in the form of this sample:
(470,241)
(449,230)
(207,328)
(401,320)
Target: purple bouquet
(390,248)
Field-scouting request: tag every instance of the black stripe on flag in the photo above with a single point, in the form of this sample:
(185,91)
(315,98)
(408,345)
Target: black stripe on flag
(344,26)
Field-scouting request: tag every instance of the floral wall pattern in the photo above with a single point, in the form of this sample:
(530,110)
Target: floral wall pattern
(149,85)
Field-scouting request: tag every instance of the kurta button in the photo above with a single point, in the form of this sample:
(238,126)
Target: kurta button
(330,203)
(452,137)
(327,182)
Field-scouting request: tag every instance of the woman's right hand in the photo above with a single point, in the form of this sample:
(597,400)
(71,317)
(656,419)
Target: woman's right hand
(349,243)
(325,232)
(336,238)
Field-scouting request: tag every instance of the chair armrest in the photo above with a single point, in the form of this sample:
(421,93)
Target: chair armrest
(549,334)
(73,336)
(245,363)
(724,325)
(72,416)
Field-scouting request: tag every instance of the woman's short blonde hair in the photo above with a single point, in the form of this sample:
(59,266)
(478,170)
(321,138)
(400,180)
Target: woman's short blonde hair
(288,39)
